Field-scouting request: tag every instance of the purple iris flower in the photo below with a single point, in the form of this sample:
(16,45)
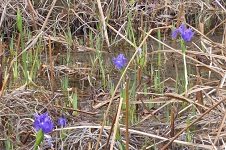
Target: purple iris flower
(186,34)
(139,52)
(62,122)
(218,5)
(120,61)
(43,122)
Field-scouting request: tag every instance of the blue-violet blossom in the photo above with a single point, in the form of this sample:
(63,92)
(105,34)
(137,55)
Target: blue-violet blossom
(62,122)
(120,61)
(43,122)
(217,4)
(186,34)
(139,52)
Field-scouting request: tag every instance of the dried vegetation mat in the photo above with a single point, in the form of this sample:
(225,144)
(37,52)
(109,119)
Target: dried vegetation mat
(165,118)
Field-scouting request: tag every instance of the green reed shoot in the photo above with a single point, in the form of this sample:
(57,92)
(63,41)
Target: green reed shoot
(8,144)
(14,54)
(152,73)
(158,72)
(159,62)
(54,30)
(123,93)
(69,37)
(100,60)
(75,102)
(159,47)
(24,55)
(156,81)
(112,88)
(188,130)
(129,29)
(69,41)
(132,94)
(131,2)
(65,83)
(36,61)
(185,65)
(118,138)
(208,23)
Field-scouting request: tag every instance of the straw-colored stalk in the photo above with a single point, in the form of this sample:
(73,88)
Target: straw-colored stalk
(51,67)
(116,124)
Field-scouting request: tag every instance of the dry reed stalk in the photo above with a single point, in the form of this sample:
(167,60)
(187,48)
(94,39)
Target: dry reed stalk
(26,137)
(123,36)
(103,22)
(55,60)
(48,15)
(201,27)
(224,36)
(3,14)
(184,99)
(172,117)
(116,124)
(110,132)
(32,11)
(51,66)
(1,65)
(138,84)
(199,97)
(198,118)
(89,143)
(220,129)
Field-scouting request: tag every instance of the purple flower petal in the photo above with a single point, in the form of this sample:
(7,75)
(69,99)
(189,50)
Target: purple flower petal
(182,28)
(174,34)
(139,52)
(186,34)
(217,4)
(62,122)
(43,122)
(120,61)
